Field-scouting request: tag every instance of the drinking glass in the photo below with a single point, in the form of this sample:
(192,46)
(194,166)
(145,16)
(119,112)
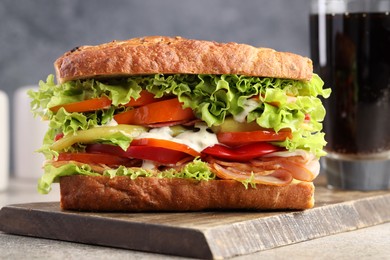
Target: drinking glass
(350,49)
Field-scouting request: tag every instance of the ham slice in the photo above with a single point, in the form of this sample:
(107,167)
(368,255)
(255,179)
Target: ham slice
(273,169)
(278,177)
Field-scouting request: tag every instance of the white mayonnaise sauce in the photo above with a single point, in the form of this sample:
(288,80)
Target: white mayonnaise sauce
(111,123)
(196,140)
(148,165)
(298,152)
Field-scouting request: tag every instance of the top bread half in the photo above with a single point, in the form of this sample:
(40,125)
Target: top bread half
(176,55)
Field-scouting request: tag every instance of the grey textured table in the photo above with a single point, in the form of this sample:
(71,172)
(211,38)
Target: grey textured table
(367,243)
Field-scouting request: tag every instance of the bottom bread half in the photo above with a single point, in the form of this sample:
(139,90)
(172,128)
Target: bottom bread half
(86,193)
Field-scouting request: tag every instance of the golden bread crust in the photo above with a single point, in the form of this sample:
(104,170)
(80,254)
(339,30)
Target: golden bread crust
(176,55)
(86,193)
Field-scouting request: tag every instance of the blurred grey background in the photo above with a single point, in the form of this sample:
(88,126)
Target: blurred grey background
(33,33)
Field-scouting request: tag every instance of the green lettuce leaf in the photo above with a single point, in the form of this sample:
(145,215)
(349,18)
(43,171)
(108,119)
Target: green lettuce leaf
(52,174)
(118,139)
(69,123)
(211,97)
(197,170)
(50,94)
(215,97)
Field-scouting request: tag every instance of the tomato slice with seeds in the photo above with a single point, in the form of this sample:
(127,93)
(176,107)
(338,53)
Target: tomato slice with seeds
(242,153)
(145,98)
(156,112)
(239,138)
(104,102)
(85,106)
(158,150)
(156,154)
(93,158)
(162,143)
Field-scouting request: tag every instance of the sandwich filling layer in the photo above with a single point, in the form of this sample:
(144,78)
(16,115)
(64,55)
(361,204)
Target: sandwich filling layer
(255,130)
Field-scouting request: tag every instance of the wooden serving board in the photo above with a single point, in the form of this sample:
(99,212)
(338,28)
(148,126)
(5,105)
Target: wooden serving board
(209,234)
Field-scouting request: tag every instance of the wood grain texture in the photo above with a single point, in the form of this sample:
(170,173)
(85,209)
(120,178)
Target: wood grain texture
(208,234)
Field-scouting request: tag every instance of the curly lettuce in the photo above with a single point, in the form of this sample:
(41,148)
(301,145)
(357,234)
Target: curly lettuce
(214,97)
(279,104)
(196,170)
(282,103)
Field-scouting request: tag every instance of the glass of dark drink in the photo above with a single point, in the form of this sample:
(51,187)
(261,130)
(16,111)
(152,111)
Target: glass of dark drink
(350,49)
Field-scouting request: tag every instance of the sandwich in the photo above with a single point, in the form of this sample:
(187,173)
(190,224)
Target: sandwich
(173,124)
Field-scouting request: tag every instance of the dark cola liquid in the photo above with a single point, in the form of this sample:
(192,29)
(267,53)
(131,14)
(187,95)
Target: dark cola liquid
(357,69)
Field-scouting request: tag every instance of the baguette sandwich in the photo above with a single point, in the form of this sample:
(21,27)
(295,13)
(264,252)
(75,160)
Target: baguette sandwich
(173,124)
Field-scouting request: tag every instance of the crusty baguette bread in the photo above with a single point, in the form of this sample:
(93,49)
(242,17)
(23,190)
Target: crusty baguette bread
(176,55)
(161,194)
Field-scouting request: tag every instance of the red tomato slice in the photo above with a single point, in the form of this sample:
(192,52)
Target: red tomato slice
(239,138)
(94,158)
(104,102)
(242,153)
(161,111)
(152,142)
(157,154)
(85,106)
(145,98)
